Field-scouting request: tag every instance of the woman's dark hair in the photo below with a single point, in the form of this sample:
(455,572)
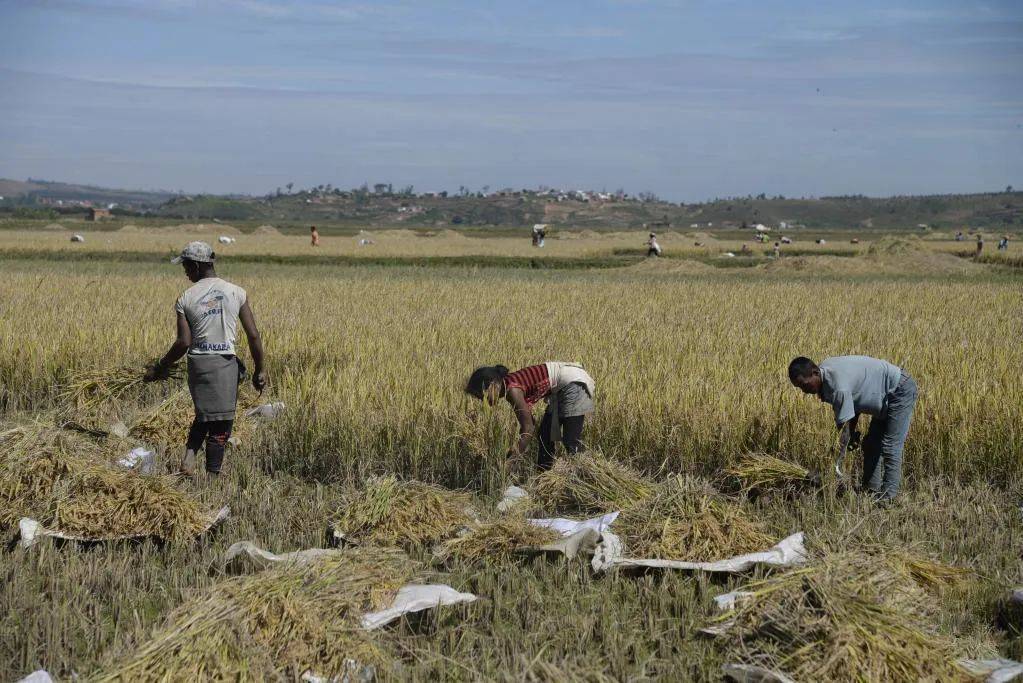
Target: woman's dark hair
(481,378)
(801,367)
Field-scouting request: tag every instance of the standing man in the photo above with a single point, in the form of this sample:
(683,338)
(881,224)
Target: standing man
(207,321)
(860,384)
(652,247)
(980,243)
(314,235)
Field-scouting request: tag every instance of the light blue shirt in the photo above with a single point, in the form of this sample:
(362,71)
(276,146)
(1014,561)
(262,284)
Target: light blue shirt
(857,384)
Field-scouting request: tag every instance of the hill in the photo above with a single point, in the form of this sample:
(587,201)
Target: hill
(47,193)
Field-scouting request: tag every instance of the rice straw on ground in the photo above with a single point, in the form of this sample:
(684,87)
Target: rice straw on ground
(587,483)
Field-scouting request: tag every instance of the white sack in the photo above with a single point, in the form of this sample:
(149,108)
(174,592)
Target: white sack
(610,553)
(512,495)
(568,527)
(994,670)
(40,676)
(415,598)
(728,601)
(224,239)
(30,531)
(139,458)
(247,555)
(268,410)
(1017,596)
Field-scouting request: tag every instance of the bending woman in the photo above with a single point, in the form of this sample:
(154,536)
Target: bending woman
(567,388)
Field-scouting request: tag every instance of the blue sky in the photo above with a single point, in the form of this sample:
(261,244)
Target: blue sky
(688,99)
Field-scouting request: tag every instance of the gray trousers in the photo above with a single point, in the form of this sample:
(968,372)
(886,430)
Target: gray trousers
(883,445)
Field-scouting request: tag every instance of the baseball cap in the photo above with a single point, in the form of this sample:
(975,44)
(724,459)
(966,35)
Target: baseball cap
(195,251)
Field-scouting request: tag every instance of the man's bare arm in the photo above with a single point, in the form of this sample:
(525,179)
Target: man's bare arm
(178,349)
(248,321)
(527,426)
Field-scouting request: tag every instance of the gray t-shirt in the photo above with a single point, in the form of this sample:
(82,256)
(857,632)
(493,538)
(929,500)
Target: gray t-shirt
(857,384)
(211,307)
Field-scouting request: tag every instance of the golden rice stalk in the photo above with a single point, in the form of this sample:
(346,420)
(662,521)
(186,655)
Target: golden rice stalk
(932,575)
(759,471)
(166,423)
(276,624)
(410,514)
(588,483)
(88,389)
(495,540)
(66,482)
(848,617)
(686,519)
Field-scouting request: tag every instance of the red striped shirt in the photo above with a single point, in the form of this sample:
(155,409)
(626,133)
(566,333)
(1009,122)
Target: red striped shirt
(534,382)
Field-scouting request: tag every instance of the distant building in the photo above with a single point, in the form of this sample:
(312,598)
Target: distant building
(97,214)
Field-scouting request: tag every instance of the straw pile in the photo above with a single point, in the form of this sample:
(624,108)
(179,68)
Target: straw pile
(277,624)
(63,480)
(166,423)
(761,472)
(686,519)
(90,389)
(848,617)
(410,514)
(496,539)
(589,484)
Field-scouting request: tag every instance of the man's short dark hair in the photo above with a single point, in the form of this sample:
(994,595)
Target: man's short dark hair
(801,367)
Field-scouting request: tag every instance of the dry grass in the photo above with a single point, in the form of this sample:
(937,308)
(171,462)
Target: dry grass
(387,511)
(276,624)
(686,519)
(588,483)
(763,472)
(496,540)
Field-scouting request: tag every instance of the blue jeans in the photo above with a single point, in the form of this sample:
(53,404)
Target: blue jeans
(882,447)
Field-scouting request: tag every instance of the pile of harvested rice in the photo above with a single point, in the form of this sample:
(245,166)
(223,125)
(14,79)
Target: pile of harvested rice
(410,514)
(686,519)
(496,539)
(89,389)
(277,624)
(166,423)
(760,472)
(589,484)
(65,481)
(848,617)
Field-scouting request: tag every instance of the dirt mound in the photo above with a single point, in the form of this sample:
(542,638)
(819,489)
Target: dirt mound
(820,265)
(266,230)
(887,246)
(53,227)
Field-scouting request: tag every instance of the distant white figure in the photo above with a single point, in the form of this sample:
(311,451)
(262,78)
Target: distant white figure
(365,241)
(821,241)
(77,238)
(652,247)
(224,239)
(539,233)
(786,240)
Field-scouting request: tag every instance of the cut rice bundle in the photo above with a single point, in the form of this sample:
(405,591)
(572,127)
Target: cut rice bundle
(393,513)
(759,472)
(588,483)
(686,519)
(89,389)
(496,539)
(276,624)
(848,617)
(65,482)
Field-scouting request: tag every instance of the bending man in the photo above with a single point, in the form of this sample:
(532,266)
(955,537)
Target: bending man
(207,322)
(853,385)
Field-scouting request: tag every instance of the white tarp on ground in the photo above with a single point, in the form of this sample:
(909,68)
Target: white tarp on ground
(994,670)
(141,459)
(512,495)
(247,556)
(569,527)
(415,598)
(266,411)
(610,554)
(40,676)
(747,673)
(578,536)
(30,531)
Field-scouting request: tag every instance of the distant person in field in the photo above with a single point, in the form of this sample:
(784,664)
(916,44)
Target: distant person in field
(314,234)
(980,243)
(652,247)
(207,321)
(568,390)
(959,236)
(1003,244)
(777,249)
(853,385)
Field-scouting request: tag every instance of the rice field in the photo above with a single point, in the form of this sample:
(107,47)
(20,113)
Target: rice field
(690,363)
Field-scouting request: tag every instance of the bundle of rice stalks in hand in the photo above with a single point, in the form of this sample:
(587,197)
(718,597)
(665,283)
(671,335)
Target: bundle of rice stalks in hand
(64,481)
(848,617)
(89,389)
(588,483)
(686,519)
(497,539)
(409,514)
(276,624)
(762,472)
